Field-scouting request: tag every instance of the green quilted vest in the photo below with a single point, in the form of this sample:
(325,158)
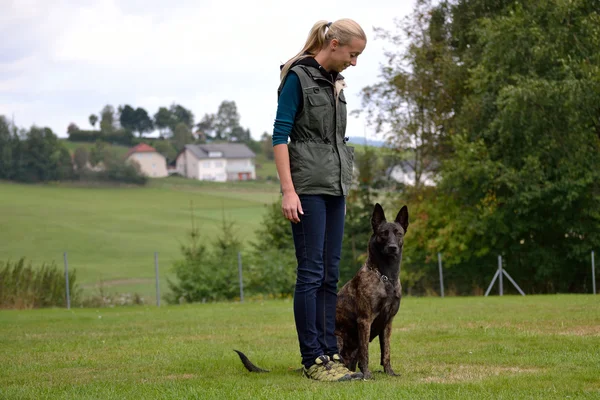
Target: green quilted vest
(320,160)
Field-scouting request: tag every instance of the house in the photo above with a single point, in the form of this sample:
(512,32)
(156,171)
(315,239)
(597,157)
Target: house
(151,162)
(219,162)
(404,173)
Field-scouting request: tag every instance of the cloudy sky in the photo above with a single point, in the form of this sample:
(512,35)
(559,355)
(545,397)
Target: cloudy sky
(62,60)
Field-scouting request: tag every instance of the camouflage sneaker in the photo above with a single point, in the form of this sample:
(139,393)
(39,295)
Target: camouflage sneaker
(339,366)
(322,370)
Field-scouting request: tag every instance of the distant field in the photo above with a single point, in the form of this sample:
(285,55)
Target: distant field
(71,146)
(111,233)
(534,347)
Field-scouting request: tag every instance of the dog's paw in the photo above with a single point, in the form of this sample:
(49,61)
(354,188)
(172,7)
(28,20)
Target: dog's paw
(389,371)
(367,375)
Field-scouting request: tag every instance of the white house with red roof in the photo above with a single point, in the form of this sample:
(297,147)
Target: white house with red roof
(151,162)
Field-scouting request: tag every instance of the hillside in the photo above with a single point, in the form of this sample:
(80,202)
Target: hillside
(111,233)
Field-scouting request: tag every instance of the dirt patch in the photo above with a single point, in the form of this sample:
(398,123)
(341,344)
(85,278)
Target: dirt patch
(119,282)
(464,373)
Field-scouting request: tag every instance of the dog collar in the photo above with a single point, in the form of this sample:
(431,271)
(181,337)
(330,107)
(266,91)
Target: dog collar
(382,278)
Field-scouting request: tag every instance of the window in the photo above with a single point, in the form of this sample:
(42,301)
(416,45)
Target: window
(206,164)
(218,164)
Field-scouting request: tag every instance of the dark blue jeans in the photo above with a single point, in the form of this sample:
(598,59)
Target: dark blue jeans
(318,242)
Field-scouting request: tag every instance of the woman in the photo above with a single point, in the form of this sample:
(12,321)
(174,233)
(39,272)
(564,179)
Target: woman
(315,171)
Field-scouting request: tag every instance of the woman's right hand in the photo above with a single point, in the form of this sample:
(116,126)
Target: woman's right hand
(291,207)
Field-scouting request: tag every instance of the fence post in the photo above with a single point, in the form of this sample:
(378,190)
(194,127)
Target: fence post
(593,274)
(240,275)
(500,277)
(441,274)
(67,281)
(157,284)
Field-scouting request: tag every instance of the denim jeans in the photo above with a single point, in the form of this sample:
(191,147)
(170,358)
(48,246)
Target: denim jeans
(318,242)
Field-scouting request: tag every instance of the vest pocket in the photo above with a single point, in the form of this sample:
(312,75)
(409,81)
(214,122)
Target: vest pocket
(314,167)
(319,111)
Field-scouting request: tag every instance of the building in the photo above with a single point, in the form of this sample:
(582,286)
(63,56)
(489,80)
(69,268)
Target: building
(219,162)
(152,163)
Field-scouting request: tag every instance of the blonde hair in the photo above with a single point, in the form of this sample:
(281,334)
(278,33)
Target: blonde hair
(344,30)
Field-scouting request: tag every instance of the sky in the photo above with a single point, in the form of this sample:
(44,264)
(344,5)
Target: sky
(62,60)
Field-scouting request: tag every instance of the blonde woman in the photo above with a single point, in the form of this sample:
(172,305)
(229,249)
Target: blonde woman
(315,171)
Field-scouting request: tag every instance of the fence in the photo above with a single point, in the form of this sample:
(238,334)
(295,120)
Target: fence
(500,274)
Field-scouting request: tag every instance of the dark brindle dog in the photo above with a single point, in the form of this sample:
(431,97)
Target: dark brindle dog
(367,304)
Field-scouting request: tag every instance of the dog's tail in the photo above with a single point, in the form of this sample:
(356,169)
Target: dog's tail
(248,364)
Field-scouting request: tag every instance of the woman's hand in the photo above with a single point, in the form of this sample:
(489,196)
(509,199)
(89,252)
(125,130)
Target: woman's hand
(291,207)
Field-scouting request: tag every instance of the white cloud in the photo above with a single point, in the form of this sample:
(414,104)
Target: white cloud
(70,58)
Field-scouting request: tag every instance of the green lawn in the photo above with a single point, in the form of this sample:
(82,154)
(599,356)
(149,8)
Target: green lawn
(111,233)
(536,347)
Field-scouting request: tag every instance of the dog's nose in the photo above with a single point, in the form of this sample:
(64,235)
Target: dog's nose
(392,248)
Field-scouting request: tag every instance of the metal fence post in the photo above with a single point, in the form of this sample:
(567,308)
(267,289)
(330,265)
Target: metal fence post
(441,274)
(240,275)
(67,281)
(157,284)
(500,277)
(593,274)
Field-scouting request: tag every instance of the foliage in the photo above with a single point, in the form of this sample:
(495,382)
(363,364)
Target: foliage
(510,91)
(272,260)
(206,274)
(25,286)
(135,120)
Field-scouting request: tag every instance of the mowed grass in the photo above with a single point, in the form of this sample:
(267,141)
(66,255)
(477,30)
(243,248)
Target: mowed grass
(110,234)
(536,347)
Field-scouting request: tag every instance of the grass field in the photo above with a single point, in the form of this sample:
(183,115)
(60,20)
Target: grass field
(534,347)
(110,234)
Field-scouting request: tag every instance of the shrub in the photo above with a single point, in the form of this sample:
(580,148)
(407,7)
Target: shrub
(22,286)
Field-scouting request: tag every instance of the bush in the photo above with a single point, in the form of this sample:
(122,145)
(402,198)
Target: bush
(22,286)
(204,275)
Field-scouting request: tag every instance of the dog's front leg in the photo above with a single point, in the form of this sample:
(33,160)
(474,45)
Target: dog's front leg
(364,332)
(384,344)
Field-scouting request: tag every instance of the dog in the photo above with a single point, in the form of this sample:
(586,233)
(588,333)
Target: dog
(367,304)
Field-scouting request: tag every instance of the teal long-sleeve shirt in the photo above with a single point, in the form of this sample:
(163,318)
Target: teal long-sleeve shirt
(290,101)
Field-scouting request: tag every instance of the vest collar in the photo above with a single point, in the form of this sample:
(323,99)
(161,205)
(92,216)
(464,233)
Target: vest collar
(322,73)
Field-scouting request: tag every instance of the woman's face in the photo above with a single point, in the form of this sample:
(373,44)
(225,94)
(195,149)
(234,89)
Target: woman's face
(343,56)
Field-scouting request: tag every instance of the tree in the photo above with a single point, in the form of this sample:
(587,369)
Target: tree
(93,119)
(182,136)
(523,90)
(42,158)
(143,123)
(6,149)
(181,114)
(225,124)
(127,117)
(207,126)
(533,105)
(135,120)
(107,119)
(163,120)
(412,104)
(266,144)
(166,148)
(81,157)
(72,128)
(227,120)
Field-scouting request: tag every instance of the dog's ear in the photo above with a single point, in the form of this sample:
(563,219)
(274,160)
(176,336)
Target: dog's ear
(402,218)
(378,217)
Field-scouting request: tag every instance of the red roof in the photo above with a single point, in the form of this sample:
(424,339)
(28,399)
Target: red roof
(141,148)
